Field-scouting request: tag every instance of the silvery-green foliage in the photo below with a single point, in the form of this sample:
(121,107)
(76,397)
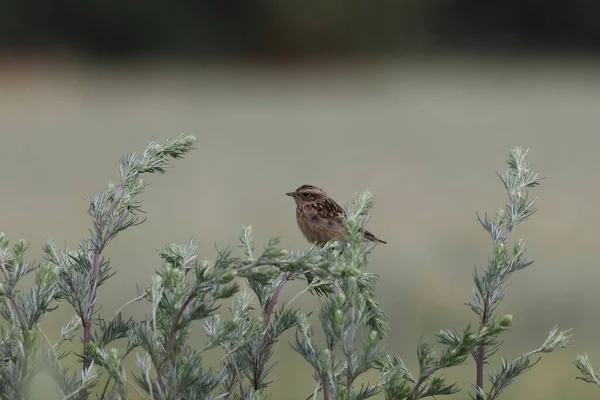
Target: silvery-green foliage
(491,282)
(587,372)
(354,325)
(22,311)
(187,292)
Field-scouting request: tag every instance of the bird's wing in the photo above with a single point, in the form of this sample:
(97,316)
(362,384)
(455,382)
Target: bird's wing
(330,210)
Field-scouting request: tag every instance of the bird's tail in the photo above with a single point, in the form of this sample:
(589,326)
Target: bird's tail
(371,238)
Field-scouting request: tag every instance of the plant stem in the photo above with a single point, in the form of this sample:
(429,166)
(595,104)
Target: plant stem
(480,360)
(174,327)
(103,395)
(261,263)
(271,306)
(267,314)
(353,325)
(87,319)
(314,284)
(13,300)
(325,383)
(325,391)
(338,290)
(314,397)
(240,378)
(171,340)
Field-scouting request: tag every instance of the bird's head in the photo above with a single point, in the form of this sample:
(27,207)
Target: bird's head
(306,194)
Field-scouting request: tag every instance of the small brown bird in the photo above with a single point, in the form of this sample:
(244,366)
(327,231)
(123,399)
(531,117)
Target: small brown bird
(319,217)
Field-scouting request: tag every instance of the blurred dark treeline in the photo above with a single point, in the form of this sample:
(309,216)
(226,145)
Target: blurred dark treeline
(263,28)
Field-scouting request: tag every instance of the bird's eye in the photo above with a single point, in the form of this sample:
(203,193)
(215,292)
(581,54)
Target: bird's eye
(304,194)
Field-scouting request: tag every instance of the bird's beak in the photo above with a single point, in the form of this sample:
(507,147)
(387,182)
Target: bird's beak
(291,194)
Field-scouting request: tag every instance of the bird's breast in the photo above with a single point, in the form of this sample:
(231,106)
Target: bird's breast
(317,228)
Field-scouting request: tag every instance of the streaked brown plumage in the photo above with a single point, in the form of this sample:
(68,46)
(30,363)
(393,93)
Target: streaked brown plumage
(319,217)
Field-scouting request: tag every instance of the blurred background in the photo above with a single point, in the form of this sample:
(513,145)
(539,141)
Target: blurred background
(418,101)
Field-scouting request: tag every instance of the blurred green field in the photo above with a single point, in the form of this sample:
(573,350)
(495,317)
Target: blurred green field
(425,136)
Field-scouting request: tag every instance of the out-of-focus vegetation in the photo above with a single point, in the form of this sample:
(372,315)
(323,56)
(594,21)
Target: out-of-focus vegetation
(427,132)
(428,135)
(296,27)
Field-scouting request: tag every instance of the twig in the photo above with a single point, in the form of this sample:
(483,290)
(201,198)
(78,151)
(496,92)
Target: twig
(10,295)
(87,319)
(260,263)
(325,383)
(236,348)
(139,392)
(103,395)
(314,396)
(417,387)
(140,297)
(354,325)
(269,311)
(174,327)
(87,322)
(5,271)
(306,289)
(239,376)
(337,290)
(171,339)
(149,382)
(18,311)
(49,343)
(480,361)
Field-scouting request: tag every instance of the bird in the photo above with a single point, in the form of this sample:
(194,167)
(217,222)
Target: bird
(319,217)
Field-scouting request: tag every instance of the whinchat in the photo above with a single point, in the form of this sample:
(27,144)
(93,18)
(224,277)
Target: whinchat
(319,217)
